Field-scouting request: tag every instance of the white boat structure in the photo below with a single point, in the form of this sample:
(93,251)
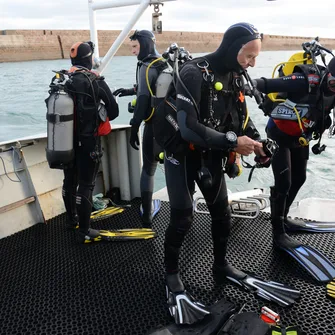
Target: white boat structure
(31,192)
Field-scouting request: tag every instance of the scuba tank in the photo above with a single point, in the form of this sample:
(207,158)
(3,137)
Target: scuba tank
(60,123)
(163,82)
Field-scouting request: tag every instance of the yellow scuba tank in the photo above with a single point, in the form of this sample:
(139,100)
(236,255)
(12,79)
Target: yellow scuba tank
(287,67)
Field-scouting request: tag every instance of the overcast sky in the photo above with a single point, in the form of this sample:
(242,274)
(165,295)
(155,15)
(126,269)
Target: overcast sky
(281,17)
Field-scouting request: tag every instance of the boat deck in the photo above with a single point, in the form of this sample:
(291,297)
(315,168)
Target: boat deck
(51,285)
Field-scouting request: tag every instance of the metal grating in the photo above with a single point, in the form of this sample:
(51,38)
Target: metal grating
(51,285)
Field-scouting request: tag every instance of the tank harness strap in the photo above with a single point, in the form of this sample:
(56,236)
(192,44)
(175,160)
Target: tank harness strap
(57,118)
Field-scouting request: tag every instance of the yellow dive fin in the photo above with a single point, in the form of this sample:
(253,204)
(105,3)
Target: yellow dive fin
(127,234)
(331,289)
(104,213)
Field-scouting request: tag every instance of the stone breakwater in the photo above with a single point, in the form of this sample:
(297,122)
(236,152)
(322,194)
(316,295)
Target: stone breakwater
(24,45)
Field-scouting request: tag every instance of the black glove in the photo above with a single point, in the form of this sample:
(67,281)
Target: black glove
(122,92)
(134,141)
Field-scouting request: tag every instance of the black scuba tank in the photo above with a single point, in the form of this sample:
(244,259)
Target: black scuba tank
(60,124)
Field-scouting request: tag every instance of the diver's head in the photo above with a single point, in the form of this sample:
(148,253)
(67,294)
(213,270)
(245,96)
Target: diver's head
(239,48)
(81,53)
(331,75)
(143,44)
(247,55)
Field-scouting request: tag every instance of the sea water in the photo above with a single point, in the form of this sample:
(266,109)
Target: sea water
(24,87)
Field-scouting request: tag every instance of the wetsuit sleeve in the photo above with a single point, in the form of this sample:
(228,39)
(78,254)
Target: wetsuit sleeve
(143,100)
(295,82)
(188,121)
(251,131)
(108,98)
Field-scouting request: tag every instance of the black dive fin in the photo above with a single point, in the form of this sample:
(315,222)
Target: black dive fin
(182,306)
(311,259)
(269,290)
(210,325)
(309,226)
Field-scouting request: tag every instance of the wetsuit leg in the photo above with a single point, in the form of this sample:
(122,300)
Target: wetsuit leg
(148,173)
(88,165)
(180,185)
(70,184)
(299,158)
(216,198)
(281,166)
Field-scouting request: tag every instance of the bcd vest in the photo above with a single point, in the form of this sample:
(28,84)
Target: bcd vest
(312,106)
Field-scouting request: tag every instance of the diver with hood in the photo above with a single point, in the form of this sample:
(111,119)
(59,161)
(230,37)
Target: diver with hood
(90,92)
(213,119)
(298,114)
(143,45)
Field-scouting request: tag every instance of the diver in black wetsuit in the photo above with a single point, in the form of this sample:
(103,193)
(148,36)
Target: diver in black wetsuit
(143,45)
(88,89)
(216,122)
(313,90)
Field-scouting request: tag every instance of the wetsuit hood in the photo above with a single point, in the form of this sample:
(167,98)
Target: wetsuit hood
(224,59)
(147,42)
(81,53)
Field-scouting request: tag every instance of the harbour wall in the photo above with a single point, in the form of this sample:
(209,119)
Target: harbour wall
(25,45)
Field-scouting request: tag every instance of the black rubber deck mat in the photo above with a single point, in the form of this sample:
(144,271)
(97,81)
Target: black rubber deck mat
(51,285)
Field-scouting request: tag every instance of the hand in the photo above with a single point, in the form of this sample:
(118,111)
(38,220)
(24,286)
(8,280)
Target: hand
(122,92)
(259,151)
(134,141)
(246,145)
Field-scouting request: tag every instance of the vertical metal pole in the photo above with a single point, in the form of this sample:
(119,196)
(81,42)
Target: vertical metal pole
(93,28)
(123,35)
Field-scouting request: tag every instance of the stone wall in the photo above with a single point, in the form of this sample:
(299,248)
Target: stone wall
(23,45)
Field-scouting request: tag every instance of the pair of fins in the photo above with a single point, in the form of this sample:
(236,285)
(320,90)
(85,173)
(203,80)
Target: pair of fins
(311,259)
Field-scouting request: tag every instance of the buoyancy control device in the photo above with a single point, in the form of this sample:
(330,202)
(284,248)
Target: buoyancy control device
(164,113)
(283,109)
(60,123)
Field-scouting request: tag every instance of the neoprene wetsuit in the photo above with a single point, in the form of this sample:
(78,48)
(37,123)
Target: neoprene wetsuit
(289,165)
(79,179)
(207,133)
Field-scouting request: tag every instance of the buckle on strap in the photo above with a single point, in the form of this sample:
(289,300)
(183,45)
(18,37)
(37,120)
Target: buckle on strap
(209,77)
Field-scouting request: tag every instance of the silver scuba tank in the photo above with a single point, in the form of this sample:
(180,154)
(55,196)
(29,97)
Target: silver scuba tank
(60,125)
(163,82)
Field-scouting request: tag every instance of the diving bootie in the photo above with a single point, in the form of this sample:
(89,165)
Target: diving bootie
(149,215)
(72,223)
(90,236)
(182,306)
(269,290)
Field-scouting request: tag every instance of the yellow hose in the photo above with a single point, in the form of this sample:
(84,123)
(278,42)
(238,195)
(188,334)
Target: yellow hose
(148,84)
